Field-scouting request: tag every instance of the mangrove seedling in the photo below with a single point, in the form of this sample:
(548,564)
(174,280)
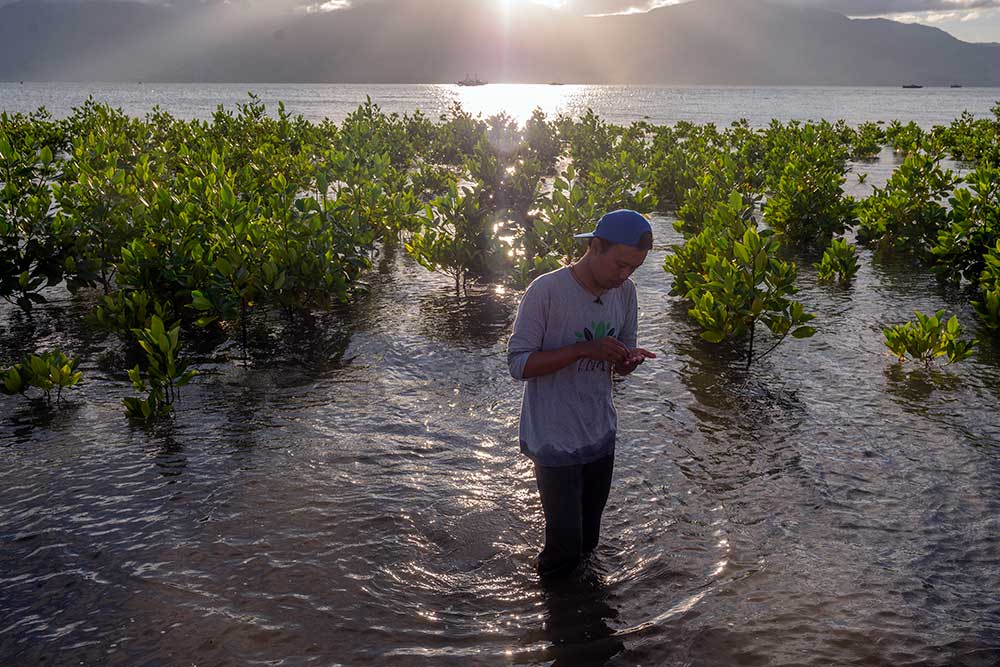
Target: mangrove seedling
(907,214)
(47,371)
(988,305)
(735,279)
(962,246)
(455,239)
(165,373)
(840,262)
(34,247)
(122,311)
(927,338)
(807,205)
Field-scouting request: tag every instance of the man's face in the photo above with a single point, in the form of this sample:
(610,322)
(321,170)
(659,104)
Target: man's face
(613,267)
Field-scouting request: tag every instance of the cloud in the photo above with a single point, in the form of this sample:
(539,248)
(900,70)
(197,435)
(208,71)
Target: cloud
(599,7)
(908,8)
(935,17)
(327,6)
(903,9)
(848,7)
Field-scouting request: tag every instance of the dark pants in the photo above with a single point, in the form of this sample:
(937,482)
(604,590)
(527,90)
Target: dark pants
(573,499)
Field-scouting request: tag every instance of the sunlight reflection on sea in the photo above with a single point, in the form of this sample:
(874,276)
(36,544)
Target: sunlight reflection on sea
(614,104)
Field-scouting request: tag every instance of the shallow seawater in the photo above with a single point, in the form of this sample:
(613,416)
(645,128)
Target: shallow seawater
(355,496)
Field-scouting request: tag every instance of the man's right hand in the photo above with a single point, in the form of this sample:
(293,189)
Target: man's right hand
(549,361)
(608,348)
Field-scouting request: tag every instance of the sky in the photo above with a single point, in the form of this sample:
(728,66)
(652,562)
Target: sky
(968,20)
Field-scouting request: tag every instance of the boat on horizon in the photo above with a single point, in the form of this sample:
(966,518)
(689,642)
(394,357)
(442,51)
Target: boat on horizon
(474,81)
(912,85)
(955,85)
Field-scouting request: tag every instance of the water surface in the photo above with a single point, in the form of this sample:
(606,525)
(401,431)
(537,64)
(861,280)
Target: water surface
(355,496)
(615,104)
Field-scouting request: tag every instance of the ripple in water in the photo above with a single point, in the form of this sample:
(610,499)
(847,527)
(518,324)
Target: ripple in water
(355,496)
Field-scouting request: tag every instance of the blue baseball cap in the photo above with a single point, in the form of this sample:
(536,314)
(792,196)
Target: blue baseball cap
(622,226)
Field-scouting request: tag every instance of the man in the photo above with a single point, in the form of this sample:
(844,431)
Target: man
(574,328)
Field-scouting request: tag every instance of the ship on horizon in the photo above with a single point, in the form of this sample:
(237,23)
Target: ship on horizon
(474,81)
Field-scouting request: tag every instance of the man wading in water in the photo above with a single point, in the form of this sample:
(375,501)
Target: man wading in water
(574,328)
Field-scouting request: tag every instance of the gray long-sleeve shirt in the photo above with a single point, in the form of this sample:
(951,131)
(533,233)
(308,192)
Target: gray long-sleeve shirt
(568,417)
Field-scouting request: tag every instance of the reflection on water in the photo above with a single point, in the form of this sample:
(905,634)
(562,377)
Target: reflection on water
(913,385)
(575,626)
(516,100)
(354,495)
(621,105)
(476,320)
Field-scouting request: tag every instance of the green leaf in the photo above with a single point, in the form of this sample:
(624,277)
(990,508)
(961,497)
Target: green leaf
(713,336)
(12,382)
(803,332)
(200,302)
(760,262)
(6,151)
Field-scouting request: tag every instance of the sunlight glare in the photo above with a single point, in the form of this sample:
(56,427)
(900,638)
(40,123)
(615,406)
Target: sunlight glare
(516,100)
(507,5)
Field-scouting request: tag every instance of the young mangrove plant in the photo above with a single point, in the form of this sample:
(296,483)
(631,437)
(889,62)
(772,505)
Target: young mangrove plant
(988,305)
(927,338)
(868,140)
(452,241)
(907,138)
(547,243)
(960,252)
(671,175)
(590,140)
(35,249)
(806,205)
(507,186)
(907,215)
(735,280)
(719,178)
(840,262)
(542,141)
(972,139)
(248,214)
(620,181)
(48,371)
(748,149)
(100,185)
(165,372)
(722,227)
(125,310)
(457,135)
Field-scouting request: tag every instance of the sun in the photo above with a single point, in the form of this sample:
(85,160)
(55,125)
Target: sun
(507,5)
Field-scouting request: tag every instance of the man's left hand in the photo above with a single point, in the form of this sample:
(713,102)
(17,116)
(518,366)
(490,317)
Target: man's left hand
(634,358)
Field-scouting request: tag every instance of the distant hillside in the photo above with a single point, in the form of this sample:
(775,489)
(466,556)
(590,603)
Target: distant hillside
(724,42)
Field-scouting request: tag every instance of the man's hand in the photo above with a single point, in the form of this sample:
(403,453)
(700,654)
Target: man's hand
(607,348)
(632,360)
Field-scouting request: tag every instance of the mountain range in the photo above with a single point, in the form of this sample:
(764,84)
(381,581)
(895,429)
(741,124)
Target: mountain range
(706,42)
